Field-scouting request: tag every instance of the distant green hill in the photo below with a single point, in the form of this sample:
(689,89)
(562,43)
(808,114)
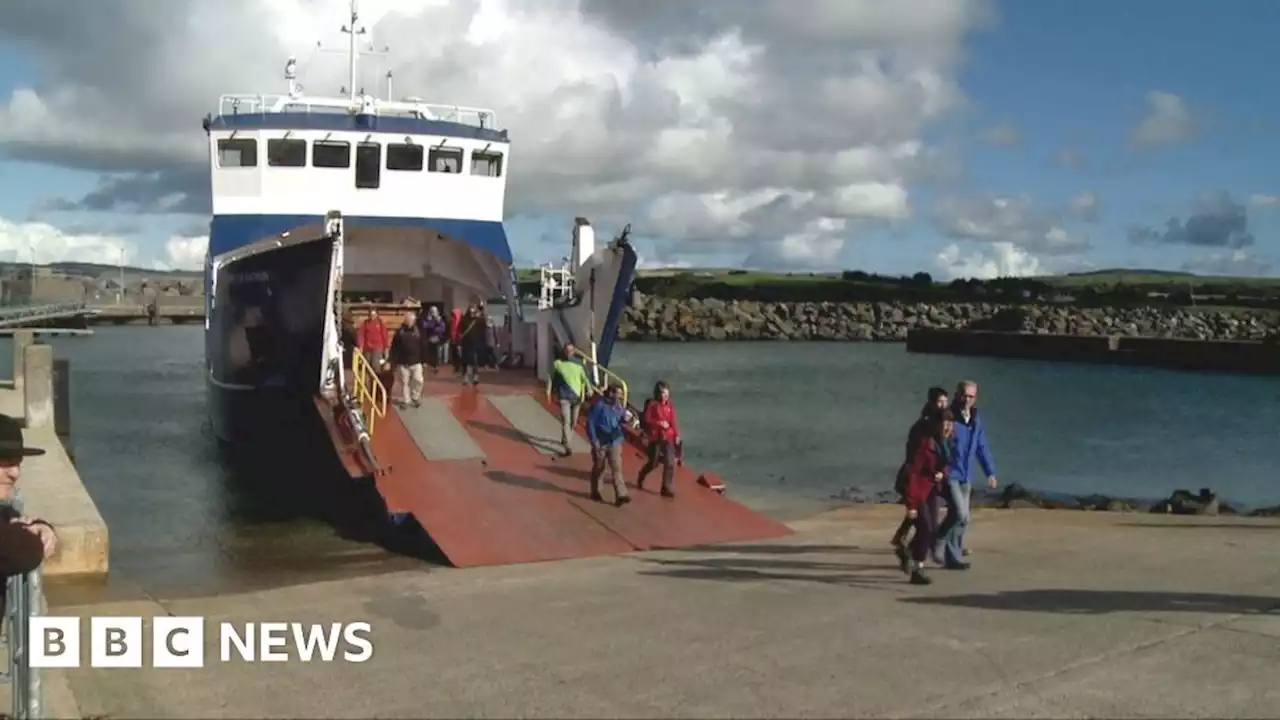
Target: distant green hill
(96,270)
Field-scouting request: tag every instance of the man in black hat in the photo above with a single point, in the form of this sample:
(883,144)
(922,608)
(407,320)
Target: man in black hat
(24,542)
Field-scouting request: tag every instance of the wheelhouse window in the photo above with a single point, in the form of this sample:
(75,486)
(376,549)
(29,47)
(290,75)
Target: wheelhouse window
(486,164)
(330,154)
(368,165)
(445,160)
(282,152)
(402,156)
(238,152)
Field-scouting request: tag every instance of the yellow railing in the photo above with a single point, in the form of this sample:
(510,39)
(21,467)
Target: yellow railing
(607,376)
(369,390)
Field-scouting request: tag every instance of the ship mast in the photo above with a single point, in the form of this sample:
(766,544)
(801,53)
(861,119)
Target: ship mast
(352,52)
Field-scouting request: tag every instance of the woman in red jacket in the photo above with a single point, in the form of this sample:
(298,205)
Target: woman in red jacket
(663,435)
(928,467)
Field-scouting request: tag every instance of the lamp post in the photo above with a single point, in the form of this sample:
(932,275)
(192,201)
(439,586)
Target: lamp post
(31,247)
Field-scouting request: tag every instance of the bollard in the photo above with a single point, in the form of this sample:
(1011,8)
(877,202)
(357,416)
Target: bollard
(37,389)
(21,339)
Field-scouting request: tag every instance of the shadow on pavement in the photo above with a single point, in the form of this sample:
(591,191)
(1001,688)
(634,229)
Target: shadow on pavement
(745,563)
(1100,602)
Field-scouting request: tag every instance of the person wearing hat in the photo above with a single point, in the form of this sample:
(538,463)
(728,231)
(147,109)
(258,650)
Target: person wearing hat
(24,542)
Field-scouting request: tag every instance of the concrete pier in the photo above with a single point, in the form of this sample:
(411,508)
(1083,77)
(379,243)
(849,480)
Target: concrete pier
(1174,353)
(1182,619)
(51,486)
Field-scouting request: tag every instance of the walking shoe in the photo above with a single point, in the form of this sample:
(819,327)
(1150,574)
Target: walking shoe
(668,492)
(417,403)
(904,562)
(622,500)
(639,483)
(597,497)
(919,578)
(956,566)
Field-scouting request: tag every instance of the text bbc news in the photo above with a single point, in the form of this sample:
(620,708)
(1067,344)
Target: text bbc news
(179,642)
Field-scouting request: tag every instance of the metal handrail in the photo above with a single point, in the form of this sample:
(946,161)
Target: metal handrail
(605,372)
(23,599)
(369,390)
(28,313)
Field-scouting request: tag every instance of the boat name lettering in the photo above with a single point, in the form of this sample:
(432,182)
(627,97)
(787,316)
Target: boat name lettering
(258,276)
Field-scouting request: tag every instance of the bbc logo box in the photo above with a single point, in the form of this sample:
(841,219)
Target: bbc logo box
(179,642)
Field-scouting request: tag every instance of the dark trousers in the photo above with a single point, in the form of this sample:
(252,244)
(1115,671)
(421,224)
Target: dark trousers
(900,535)
(660,452)
(926,524)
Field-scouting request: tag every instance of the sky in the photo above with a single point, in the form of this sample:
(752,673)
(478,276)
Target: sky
(963,138)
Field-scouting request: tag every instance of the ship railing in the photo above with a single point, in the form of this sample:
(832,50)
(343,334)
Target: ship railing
(600,377)
(370,393)
(23,599)
(245,104)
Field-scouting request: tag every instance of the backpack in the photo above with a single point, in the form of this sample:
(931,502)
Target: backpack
(900,482)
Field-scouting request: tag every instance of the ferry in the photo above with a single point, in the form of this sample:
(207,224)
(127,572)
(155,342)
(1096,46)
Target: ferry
(325,207)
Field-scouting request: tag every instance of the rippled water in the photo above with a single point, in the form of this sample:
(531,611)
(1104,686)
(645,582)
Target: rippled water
(787,424)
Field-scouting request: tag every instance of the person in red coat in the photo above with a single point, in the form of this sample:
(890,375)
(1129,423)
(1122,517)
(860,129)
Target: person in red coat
(928,467)
(937,401)
(374,340)
(663,435)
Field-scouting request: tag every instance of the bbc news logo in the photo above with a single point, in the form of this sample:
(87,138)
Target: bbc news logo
(179,642)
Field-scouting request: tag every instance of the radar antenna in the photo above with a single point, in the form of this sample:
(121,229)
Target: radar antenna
(353,28)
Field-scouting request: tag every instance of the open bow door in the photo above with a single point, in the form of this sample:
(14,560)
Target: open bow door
(332,378)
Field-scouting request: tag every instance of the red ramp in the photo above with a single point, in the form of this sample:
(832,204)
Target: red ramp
(479,473)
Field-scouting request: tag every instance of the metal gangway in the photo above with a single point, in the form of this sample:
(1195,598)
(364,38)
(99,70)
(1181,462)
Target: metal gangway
(18,316)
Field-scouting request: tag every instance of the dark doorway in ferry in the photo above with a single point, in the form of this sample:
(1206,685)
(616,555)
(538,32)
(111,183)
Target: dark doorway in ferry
(368,166)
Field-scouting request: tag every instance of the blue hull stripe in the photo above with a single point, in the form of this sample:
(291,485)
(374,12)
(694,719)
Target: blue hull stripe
(228,232)
(354,123)
(621,298)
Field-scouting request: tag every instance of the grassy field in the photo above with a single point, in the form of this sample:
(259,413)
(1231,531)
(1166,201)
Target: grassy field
(1105,287)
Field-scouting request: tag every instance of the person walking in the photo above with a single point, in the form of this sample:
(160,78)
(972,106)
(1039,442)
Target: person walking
(971,444)
(937,400)
(436,336)
(663,434)
(930,459)
(605,424)
(568,381)
(373,340)
(471,336)
(406,356)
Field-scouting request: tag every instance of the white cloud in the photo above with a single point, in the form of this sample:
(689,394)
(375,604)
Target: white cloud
(1068,158)
(1003,134)
(20,241)
(1000,259)
(185,253)
(1261,200)
(784,132)
(1085,205)
(1168,121)
(1235,263)
(1012,221)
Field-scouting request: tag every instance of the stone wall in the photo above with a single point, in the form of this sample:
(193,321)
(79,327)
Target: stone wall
(678,320)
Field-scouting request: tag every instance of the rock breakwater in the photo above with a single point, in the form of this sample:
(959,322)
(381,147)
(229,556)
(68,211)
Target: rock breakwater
(682,320)
(1015,496)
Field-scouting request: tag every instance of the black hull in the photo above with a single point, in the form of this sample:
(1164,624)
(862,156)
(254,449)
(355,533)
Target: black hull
(264,343)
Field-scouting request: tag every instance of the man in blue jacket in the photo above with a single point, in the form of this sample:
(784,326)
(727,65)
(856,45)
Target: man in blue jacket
(971,443)
(605,423)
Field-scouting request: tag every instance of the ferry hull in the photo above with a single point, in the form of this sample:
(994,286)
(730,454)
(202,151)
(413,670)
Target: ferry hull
(264,340)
